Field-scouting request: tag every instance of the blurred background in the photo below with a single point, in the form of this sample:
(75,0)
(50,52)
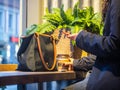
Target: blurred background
(9,30)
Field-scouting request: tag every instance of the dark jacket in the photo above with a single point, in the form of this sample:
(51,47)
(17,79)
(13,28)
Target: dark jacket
(106,47)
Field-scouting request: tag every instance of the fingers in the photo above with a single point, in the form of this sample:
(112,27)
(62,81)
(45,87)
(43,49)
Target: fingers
(72,36)
(66,33)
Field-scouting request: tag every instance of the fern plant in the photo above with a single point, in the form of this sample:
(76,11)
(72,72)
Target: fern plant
(87,20)
(75,19)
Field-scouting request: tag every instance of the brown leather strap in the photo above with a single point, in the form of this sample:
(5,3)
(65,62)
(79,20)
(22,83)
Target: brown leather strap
(40,51)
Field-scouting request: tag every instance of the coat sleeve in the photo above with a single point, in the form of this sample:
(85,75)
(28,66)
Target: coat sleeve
(85,63)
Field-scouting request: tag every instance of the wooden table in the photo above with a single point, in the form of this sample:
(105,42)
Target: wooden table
(18,77)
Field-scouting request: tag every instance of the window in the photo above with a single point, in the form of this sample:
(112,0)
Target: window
(10,21)
(0,19)
(17,24)
(9,27)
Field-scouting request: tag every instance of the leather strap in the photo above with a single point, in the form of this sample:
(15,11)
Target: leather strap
(40,51)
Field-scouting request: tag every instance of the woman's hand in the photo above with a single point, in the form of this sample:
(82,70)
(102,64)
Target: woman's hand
(72,36)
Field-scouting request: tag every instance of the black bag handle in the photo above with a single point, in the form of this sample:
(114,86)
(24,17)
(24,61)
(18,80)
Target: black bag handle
(40,51)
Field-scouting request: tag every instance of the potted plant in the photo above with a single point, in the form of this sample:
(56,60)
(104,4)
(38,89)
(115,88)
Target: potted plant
(72,20)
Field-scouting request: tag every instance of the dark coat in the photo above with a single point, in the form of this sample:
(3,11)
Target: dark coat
(106,47)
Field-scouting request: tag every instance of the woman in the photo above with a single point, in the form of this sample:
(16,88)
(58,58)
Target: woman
(106,70)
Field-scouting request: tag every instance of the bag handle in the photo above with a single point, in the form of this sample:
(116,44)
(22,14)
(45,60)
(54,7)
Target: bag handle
(40,51)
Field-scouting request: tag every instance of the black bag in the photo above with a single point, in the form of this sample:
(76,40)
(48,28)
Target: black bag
(37,53)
